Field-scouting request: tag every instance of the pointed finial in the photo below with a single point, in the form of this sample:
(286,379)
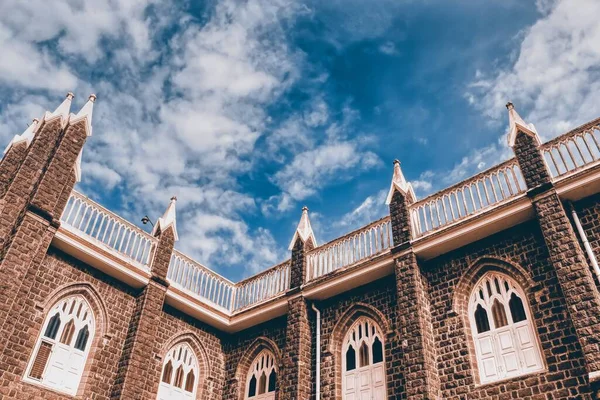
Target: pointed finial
(304,230)
(516,124)
(399,183)
(86,112)
(62,110)
(169,218)
(27,135)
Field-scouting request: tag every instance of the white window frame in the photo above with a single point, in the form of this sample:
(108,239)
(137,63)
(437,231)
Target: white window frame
(508,351)
(68,309)
(355,337)
(265,362)
(180,355)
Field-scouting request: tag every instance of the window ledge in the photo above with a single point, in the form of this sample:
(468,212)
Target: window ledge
(511,379)
(40,385)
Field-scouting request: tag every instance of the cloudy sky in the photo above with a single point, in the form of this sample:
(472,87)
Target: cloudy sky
(248,110)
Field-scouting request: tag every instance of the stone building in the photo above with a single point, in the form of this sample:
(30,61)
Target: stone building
(487,289)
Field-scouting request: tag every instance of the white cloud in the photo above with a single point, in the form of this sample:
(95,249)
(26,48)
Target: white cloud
(313,169)
(555,76)
(186,126)
(23,64)
(421,186)
(105,175)
(372,208)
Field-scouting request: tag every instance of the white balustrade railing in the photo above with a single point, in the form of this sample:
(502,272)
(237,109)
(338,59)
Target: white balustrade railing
(573,151)
(479,193)
(356,246)
(262,286)
(194,277)
(95,221)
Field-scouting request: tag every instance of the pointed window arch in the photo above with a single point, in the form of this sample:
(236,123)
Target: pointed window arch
(58,360)
(503,332)
(179,374)
(262,377)
(363,361)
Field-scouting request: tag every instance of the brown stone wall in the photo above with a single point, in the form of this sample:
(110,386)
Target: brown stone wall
(174,327)
(59,271)
(241,348)
(377,301)
(58,274)
(573,274)
(521,253)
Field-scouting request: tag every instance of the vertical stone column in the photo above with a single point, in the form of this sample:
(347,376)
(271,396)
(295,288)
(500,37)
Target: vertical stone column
(138,376)
(416,330)
(531,162)
(565,253)
(21,189)
(296,382)
(28,227)
(413,306)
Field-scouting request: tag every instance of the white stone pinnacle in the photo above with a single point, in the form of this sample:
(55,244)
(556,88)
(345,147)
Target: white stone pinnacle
(86,112)
(399,183)
(27,136)
(304,230)
(62,110)
(169,218)
(516,123)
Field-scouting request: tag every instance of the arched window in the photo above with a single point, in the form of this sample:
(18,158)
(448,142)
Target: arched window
(363,370)
(503,332)
(262,377)
(58,359)
(179,374)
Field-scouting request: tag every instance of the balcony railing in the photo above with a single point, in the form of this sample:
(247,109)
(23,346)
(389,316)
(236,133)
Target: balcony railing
(573,151)
(194,277)
(262,287)
(97,223)
(477,194)
(356,246)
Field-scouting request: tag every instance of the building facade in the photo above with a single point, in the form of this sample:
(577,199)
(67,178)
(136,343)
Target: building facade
(487,289)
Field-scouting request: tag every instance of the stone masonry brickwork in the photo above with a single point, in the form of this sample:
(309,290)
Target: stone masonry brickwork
(521,253)
(420,306)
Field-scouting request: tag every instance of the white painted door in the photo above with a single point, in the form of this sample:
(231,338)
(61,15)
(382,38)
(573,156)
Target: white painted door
(168,392)
(487,357)
(366,383)
(57,365)
(75,370)
(378,379)
(507,351)
(525,339)
(350,379)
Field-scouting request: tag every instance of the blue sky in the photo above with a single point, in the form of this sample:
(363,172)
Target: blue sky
(248,110)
